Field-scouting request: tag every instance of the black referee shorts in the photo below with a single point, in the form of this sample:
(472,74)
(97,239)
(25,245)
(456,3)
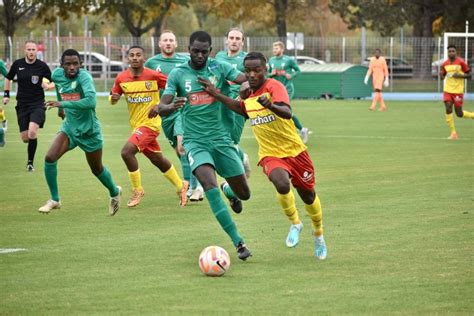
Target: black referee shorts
(30,113)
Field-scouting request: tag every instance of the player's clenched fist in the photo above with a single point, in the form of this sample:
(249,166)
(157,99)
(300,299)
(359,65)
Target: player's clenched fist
(114,97)
(245,91)
(263,100)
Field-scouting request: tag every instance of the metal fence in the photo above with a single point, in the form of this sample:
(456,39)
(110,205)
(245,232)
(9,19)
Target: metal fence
(414,62)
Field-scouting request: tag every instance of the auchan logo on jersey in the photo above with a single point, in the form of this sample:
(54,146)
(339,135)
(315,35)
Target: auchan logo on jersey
(139,99)
(262,119)
(200,98)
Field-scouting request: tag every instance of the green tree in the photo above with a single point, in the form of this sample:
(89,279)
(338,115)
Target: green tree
(15,12)
(388,15)
(140,16)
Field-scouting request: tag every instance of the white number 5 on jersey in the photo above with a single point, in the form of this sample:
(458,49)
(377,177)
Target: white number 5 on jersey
(187,86)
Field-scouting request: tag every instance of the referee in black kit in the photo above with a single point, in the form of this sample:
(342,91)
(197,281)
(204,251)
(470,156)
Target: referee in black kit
(30,108)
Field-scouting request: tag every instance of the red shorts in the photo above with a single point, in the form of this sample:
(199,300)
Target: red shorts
(300,168)
(145,139)
(455,98)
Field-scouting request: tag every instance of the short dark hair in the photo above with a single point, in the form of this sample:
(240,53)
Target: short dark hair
(135,46)
(377,49)
(70,52)
(256,55)
(452,46)
(201,36)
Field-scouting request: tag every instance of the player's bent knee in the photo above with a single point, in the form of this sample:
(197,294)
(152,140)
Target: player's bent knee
(309,199)
(50,158)
(282,186)
(97,170)
(244,194)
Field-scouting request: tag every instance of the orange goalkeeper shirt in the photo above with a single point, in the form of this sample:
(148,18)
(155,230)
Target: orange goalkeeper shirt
(454,85)
(141,93)
(276,136)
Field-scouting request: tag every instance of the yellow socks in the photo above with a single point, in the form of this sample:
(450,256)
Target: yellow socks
(173,177)
(2,115)
(450,121)
(316,213)
(287,203)
(468,115)
(136,180)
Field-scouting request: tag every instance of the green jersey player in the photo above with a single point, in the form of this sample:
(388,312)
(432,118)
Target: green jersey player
(284,68)
(234,56)
(76,103)
(164,62)
(206,140)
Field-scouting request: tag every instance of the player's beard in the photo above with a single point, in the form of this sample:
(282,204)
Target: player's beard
(234,48)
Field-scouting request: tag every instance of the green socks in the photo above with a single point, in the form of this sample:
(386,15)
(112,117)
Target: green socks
(297,122)
(185,167)
(222,214)
(106,178)
(51,174)
(228,191)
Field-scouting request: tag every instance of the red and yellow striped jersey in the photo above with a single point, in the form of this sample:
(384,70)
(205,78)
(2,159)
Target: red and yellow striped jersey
(454,85)
(141,93)
(276,136)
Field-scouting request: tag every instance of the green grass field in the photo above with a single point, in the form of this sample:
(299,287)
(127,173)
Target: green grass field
(398,209)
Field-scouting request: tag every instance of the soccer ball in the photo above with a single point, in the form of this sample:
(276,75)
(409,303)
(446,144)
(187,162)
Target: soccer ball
(214,261)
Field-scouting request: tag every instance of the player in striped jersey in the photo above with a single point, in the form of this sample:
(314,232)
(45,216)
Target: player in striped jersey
(454,70)
(141,88)
(282,154)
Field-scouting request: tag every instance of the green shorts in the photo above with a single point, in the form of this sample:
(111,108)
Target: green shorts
(88,143)
(222,155)
(234,123)
(238,129)
(172,126)
(290,88)
(240,152)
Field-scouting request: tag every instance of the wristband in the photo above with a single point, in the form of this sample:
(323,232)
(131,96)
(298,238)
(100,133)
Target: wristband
(6,93)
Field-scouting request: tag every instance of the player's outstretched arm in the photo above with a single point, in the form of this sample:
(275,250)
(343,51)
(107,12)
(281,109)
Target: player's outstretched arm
(232,104)
(87,102)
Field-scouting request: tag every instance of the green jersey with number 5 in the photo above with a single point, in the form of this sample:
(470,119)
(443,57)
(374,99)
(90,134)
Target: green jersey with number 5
(202,113)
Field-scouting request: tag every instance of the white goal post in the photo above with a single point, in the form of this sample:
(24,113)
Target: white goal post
(465,35)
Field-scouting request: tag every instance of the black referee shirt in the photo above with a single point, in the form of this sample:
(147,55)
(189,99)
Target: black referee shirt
(29,78)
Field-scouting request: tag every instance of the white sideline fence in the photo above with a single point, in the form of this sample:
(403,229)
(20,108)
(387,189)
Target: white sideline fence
(415,61)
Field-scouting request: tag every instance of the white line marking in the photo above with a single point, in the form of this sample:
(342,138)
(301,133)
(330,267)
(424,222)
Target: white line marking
(116,138)
(11,250)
